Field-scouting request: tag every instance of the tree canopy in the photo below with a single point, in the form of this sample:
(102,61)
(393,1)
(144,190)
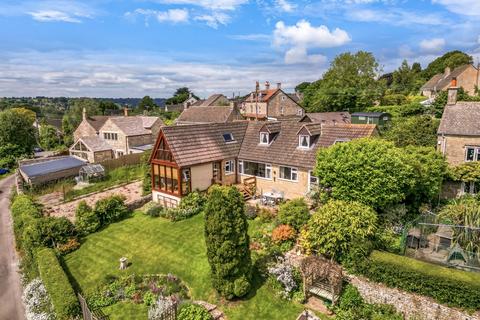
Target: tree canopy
(416,131)
(147,104)
(180,96)
(16,128)
(350,83)
(450,59)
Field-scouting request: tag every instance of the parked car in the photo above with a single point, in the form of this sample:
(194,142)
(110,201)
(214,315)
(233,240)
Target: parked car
(37,149)
(4,171)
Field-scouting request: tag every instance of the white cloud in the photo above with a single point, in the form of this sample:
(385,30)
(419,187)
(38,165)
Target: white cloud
(463,7)
(171,15)
(214,19)
(396,17)
(432,45)
(53,15)
(251,37)
(303,34)
(209,4)
(286,6)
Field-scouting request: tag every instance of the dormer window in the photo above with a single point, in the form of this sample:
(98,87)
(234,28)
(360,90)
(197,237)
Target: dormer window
(304,141)
(264,139)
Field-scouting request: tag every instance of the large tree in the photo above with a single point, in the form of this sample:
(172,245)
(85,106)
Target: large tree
(16,128)
(146,104)
(350,83)
(226,237)
(417,131)
(180,96)
(450,59)
(49,137)
(406,79)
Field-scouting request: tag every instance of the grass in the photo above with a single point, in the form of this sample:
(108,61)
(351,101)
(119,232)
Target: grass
(156,245)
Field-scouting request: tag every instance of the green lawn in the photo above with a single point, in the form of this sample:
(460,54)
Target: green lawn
(156,245)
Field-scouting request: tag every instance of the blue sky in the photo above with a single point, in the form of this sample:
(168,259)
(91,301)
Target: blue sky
(130,48)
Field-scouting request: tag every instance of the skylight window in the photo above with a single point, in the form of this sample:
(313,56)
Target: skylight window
(228,137)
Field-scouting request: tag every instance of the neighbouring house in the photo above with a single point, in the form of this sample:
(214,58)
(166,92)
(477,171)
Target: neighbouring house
(270,104)
(209,114)
(381,119)
(466,77)
(275,155)
(100,138)
(328,117)
(459,138)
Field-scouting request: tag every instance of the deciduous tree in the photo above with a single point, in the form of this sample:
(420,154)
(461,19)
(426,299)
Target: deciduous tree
(16,128)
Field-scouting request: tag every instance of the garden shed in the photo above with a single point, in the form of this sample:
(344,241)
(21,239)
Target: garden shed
(91,172)
(42,171)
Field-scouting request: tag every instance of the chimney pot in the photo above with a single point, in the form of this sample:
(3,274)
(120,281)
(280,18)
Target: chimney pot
(453,83)
(279,85)
(267,85)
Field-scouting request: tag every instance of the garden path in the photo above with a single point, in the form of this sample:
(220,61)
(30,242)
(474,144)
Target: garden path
(132,192)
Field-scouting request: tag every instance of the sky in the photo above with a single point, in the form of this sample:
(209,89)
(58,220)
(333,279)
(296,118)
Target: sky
(132,48)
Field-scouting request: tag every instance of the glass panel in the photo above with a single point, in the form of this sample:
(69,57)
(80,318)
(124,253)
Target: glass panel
(186,181)
(470,154)
(175,180)
(304,141)
(168,176)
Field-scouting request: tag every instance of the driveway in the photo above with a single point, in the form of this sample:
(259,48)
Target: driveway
(11,306)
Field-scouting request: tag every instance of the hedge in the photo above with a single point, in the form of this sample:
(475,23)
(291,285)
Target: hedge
(452,287)
(62,295)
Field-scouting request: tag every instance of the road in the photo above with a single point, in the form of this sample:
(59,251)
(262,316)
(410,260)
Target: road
(11,307)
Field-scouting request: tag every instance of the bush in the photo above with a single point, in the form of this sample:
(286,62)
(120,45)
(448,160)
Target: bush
(295,213)
(86,220)
(193,312)
(110,209)
(58,286)
(452,287)
(69,246)
(393,99)
(153,209)
(266,215)
(189,206)
(55,231)
(283,233)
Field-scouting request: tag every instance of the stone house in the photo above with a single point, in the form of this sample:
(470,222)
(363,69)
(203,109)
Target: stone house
(100,138)
(466,77)
(276,155)
(217,108)
(270,104)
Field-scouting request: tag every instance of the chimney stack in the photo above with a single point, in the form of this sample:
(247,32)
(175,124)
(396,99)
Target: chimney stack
(279,85)
(257,86)
(267,85)
(84,114)
(125,111)
(447,71)
(452,92)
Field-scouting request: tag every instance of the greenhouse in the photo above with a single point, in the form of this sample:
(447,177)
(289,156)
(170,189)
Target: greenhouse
(91,173)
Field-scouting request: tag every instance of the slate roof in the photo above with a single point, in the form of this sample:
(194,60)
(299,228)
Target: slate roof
(95,143)
(201,143)
(50,166)
(134,126)
(97,121)
(328,117)
(284,148)
(211,100)
(441,81)
(210,114)
(462,118)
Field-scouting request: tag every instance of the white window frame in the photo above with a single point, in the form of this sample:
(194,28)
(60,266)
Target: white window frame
(231,135)
(229,167)
(362,118)
(310,184)
(300,137)
(262,134)
(293,174)
(240,166)
(476,153)
(268,170)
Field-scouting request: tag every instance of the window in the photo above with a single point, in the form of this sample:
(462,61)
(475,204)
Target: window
(472,154)
(261,170)
(283,98)
(341,140)
(362,118)
(470,187)
(228,137)
(165,179)
(264,138)
(385,118)
(282,110)
(186,185)
(288,173)
(230,167)
(312,180)
(119,153)
(110,136)
(304,141)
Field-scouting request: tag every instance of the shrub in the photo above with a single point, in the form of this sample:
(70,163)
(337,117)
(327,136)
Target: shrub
(295,213)
(283,233)
(266,215)
(58,286)
(69,246)
(55,231)
(153,209)
(452,287)
(193,312)
(284,274)
(86,220)
(336,226)
(227,240)
(393,99)
(110,209)
(149,298)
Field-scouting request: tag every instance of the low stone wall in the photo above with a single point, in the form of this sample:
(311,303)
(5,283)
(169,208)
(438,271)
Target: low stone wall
(412,306)
(139,202)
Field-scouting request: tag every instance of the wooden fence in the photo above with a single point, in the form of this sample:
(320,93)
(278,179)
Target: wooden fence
(87,313)
(126,160)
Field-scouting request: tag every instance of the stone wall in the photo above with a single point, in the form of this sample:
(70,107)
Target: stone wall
(282,105)
(412,306)
(453,147)
(139,202)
